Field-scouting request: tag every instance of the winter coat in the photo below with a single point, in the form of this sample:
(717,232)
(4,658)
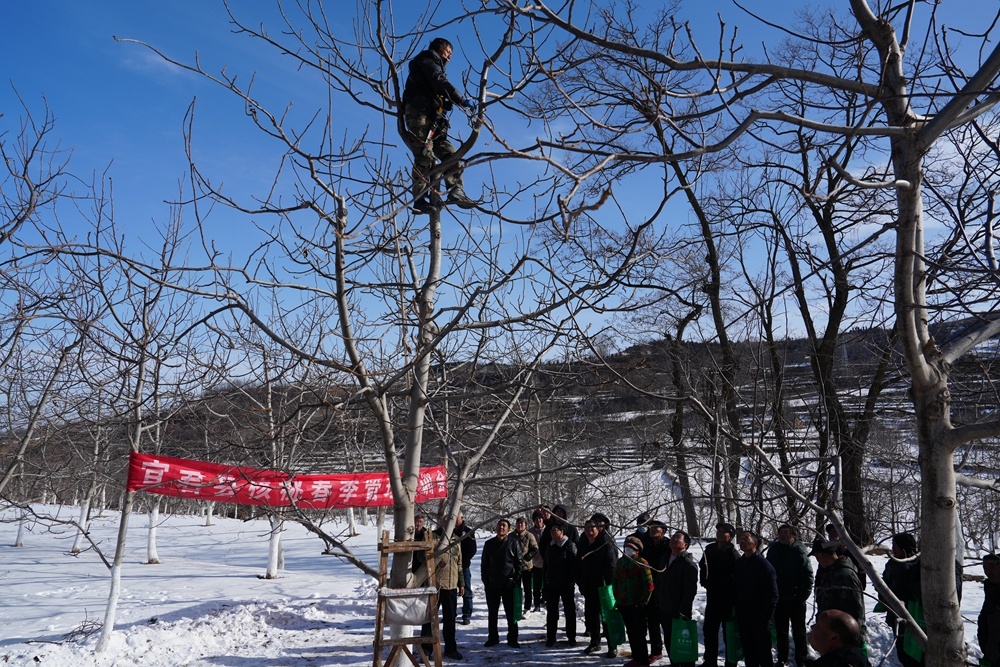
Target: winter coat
(561,563)
(427,87)
(644,537)
(569,530)
(537,561)
(529,549)
(469,547)
(756,586)
(449,567)
(676,586)
(989,622)
(501,561)
(716,577)
(794,569)
(847,656)
(633,582)
(838,587)
(417,560)
(597,562)
(903,579)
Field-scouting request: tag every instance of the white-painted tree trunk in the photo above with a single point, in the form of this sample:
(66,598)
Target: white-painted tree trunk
(82,524)
(352,526)
(274,548)
(111,611)
(152,557)
(209,513)
(21,525)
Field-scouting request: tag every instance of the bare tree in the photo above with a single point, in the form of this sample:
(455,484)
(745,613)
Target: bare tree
(907,97)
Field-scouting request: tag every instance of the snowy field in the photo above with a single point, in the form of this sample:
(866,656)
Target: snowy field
(206,606)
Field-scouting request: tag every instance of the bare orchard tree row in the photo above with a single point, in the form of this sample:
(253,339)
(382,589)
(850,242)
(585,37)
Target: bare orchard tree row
(638,179)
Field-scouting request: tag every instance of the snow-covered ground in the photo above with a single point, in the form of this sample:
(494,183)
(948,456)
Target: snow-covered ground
(206,606)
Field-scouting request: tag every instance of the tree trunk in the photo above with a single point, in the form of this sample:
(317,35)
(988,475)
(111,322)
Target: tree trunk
(152,557)
(274,547)
(82,523)
(111,611)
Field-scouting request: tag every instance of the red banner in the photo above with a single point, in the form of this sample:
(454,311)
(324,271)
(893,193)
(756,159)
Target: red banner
(186,478)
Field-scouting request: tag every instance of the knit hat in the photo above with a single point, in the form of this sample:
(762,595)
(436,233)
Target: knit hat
(634,542)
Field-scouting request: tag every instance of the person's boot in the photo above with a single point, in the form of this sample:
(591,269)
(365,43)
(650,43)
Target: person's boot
(423,206)
(458,197)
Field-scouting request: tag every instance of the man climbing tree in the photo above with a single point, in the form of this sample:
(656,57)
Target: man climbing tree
(427,98)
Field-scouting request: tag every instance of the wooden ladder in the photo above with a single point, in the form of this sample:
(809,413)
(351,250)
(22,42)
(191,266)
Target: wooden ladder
(401,646)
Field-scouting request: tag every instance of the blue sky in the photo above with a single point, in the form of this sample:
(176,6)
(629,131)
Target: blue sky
(116,104)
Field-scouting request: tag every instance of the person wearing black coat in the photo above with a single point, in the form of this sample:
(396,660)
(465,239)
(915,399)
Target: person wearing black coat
(655,552)
(561,565)
(791,563)
(469,548)
(675,587)
(427,96)
(558,515)
(597,557)
(988,626)
(501,571)
(756,598)
(902,576)
(716,577)
(837,582)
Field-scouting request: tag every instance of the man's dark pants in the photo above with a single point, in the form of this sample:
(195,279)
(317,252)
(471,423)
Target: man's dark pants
(635,629)
(553,596)
(714,619)
(791,612)
(526,579)
(448,600)
(495,595)
(755,635)
(537,580)
(467,598)
(653,627)
(592,615)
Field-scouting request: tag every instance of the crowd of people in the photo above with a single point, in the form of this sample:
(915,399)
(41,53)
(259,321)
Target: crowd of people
(756,594)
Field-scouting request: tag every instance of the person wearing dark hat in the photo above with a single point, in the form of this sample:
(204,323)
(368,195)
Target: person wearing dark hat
(716,577)
(790,559)
(756,598)
(561,565)
(598,555)
(675,587)
(833,535)
(837,638)
(633,587)
(656,552)
(837,584)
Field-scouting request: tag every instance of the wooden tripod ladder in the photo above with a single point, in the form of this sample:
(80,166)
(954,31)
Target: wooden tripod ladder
(385,608)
